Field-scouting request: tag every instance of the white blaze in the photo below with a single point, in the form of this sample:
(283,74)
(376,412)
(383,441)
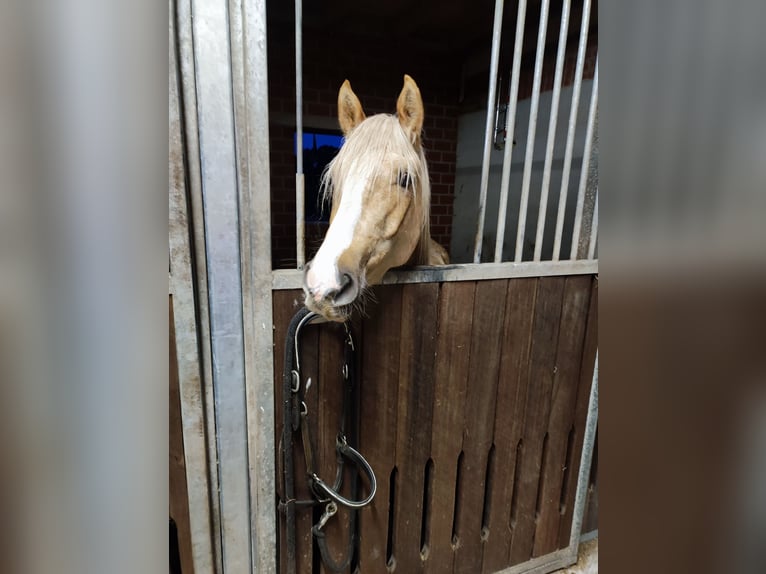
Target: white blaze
(323,275)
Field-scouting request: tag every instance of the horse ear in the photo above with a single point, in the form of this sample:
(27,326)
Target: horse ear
(409,108)
(350,113)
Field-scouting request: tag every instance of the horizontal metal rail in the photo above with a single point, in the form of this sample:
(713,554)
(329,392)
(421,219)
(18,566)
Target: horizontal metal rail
(293,278)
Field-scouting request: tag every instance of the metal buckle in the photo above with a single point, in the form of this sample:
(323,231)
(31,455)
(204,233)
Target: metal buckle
(361,463)
(329,511)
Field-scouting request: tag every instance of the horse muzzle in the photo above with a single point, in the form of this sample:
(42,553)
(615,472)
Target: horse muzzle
(330,294)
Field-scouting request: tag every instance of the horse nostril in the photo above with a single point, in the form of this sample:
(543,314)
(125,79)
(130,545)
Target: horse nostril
(347,292)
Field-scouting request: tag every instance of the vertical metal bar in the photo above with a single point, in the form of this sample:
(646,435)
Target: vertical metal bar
(558,74)
(585,165)
(531,132)
(215,111)
(593,230)
(186,61)
(250,62)
(300,210)
(189,364)
(513,98)
(497,29)
(572,128)
(591,423)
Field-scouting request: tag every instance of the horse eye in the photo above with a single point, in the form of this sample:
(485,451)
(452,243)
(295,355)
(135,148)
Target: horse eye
(405,180)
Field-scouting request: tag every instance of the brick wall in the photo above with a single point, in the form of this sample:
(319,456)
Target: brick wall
(376,71)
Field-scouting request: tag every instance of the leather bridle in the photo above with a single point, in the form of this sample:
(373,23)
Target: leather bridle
(295,418)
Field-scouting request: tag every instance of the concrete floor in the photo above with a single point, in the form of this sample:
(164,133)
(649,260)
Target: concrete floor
(587,560)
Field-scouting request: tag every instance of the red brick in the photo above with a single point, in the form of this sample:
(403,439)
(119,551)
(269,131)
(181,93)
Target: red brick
(440,145)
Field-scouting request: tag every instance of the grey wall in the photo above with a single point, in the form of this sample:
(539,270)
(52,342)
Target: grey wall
(468,175)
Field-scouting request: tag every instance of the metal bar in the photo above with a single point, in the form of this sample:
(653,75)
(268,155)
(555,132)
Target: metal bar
(256,226)
(586,458)
(293,279)
(513,98)
(554,115)
(572,128)
(188,365)
(194,174)
(584,171)
(531,132)
(250,64)
(593,230)
(489,132)
(300,209)
(216,120)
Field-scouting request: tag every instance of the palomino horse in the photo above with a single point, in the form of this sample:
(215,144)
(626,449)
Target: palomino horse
(380,194)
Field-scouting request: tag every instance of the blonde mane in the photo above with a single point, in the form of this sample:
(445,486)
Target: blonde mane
(372,139)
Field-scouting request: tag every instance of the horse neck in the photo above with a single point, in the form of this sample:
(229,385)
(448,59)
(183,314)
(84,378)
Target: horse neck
(421,254)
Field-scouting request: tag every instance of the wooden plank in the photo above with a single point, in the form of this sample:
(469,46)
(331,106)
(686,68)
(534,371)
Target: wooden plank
(485,355)
(304,518)
(286,304)
(581,412)
(378,410)
(540,382)
(511,400)
(178,491)
(280,310)
(450,375)
(571,337)
(413,429)
(329,387)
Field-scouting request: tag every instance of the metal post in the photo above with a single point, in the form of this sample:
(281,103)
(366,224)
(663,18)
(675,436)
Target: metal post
(221,213)
(489,128)
(300,210)
(593,230)
(554,115)
(513,98)
(255,233)
(190,381)
(591,423)
(571,131)
(186,61)
(531,132)
(584,171)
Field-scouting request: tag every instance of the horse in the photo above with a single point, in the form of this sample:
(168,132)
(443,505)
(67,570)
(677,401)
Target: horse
(380,193)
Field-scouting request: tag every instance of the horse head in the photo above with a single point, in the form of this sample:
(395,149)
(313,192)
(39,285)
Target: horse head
(380,195)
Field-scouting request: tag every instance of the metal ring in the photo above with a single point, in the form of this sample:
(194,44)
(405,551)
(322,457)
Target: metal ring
(307,320)
(354,456)
(296,381)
